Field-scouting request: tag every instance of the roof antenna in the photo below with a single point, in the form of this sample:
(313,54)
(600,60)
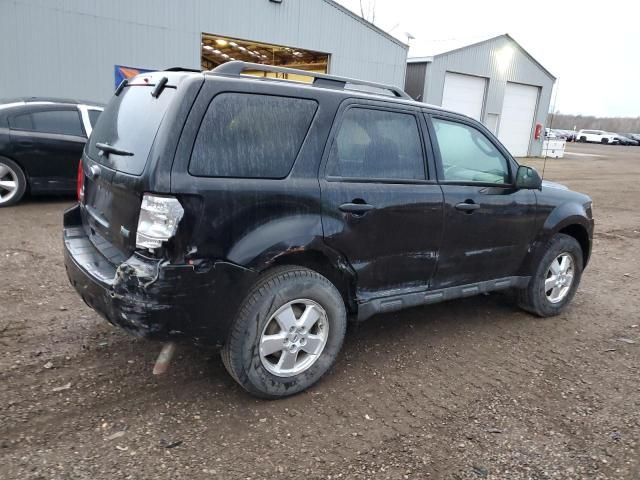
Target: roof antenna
(553,115)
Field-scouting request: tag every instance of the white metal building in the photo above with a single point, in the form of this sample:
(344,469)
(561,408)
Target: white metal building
(494,81)
(76,48)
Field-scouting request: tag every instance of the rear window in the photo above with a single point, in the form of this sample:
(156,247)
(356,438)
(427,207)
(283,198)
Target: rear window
(130,122)
(251,136)
(65,122)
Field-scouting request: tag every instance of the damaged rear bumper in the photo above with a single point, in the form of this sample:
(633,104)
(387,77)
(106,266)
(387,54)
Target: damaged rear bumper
(152,298)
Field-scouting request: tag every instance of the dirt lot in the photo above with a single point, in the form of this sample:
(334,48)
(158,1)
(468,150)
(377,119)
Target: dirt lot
(463,390)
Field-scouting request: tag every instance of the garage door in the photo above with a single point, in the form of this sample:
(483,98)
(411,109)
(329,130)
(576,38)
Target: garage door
(464,94)
(518,113)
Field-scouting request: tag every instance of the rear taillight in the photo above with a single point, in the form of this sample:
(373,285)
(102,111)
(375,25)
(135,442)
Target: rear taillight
(158,222)
(80,182)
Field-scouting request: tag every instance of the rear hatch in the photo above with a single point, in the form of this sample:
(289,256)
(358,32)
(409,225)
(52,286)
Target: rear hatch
(116,161)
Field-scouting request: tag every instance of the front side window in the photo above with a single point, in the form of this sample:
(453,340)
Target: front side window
(251,136)
(468,155)
(377,144)
(65,122)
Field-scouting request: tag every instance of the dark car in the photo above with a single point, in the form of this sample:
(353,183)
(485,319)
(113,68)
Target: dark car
(256,214)
(633,136)
(626,140)
(568,135)
(41,142)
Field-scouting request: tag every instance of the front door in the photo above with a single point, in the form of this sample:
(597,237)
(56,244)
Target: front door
(489,225)
(380,210)
(49,143)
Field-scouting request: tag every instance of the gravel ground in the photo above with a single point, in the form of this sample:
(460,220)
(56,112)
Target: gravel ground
(463,390)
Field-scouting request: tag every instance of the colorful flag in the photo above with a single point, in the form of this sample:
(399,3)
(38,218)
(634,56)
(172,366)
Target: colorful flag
(123,72)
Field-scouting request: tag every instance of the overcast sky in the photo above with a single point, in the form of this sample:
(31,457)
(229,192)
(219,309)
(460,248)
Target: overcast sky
(593,48)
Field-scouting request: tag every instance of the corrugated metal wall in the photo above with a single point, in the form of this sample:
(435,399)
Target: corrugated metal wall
(68,48)
(483,60)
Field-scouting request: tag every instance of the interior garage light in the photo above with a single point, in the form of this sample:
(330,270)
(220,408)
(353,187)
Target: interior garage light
(218,48)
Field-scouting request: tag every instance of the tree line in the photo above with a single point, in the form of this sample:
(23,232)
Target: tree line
(566,121)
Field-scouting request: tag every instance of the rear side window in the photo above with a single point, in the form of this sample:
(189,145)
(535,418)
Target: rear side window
(64,122)
(251,136)
(130,122)
(94,115)
(377,144)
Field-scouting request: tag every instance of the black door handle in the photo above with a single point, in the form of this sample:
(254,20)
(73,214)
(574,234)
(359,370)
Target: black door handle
(468,207)
(356,208)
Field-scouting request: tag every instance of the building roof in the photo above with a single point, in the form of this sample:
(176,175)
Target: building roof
(366,23)
(436,48)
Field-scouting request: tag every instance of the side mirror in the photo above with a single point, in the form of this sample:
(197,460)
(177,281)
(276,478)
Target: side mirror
(528,178)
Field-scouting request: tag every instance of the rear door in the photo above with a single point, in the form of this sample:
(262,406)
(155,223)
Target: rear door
(381,208)
(489,225)
(48,142)
(115,161)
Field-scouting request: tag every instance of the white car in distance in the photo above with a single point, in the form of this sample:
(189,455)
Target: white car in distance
(596,136)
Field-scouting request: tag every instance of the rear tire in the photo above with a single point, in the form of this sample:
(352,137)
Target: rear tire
(604,141)
(275,347)
(548,292)
(13,183)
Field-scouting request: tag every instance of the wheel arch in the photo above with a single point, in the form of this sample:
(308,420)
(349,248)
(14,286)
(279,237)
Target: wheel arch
(327,263)
(580,233)
(568,220)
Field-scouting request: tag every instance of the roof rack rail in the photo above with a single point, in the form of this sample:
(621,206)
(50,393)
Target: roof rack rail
(236,67)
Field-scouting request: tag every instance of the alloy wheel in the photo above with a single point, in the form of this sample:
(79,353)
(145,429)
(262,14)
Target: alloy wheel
(294,337)
(559,278)
(8,183)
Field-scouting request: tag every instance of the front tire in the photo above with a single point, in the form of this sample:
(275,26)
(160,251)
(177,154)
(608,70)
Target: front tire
(556,279)
(287,334)
(13,183)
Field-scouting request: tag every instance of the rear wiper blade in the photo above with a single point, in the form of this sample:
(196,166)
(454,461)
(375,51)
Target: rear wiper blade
(106,149)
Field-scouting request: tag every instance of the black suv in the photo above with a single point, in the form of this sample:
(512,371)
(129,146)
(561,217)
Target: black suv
(256,214)
(41,142)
